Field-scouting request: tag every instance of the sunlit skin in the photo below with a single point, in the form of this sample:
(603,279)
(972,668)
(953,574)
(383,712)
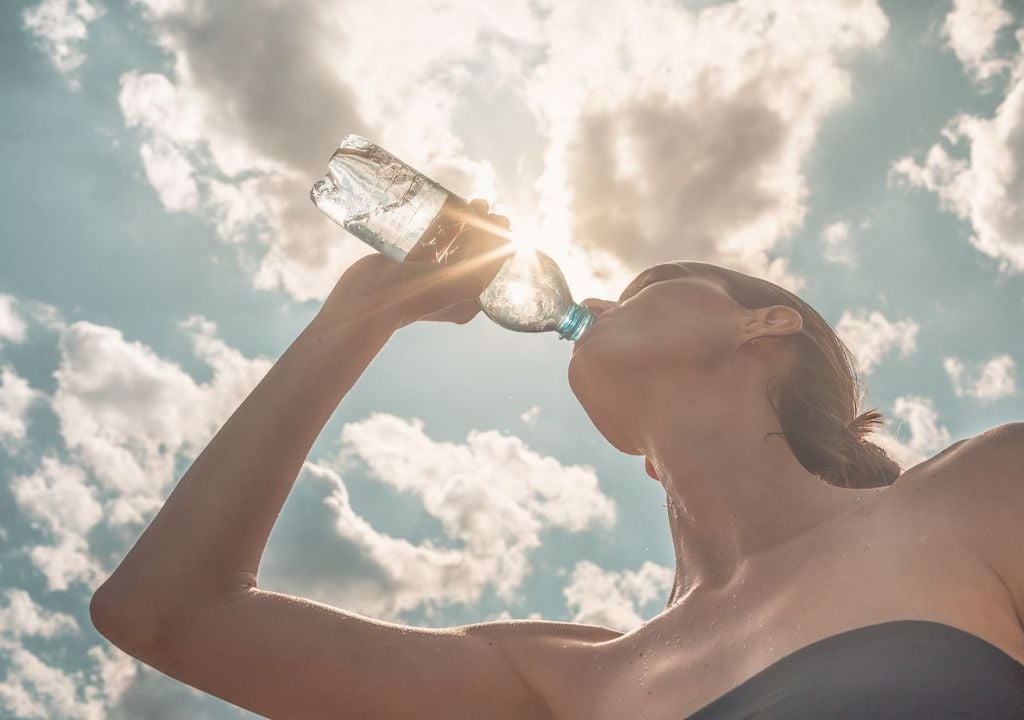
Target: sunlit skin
(665,373)
(770,557)
(379,289)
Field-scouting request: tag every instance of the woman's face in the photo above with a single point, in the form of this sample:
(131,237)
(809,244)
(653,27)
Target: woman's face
(669,328)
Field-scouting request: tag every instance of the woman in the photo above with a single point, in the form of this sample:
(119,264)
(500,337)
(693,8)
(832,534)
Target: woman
(812,579)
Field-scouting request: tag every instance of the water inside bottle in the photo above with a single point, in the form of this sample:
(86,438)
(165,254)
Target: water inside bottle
(381,200)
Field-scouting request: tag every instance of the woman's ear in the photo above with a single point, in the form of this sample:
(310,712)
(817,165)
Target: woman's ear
(783,318)
(650,469)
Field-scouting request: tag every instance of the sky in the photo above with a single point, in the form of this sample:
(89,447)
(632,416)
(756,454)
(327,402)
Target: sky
(160,252)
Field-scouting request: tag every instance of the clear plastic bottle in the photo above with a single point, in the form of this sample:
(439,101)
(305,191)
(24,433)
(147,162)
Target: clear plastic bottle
(396,210)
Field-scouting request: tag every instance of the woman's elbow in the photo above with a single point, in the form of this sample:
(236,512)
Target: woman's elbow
(120,620)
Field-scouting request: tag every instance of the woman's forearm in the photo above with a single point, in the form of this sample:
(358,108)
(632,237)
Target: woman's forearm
(206,542)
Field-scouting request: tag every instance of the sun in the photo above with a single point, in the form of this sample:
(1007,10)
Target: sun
(586,275)
(523,233)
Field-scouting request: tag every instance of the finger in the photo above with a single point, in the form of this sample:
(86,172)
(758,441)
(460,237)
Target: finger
(495,225)
(499,219)
(461,312)
(479,205)
(465,311)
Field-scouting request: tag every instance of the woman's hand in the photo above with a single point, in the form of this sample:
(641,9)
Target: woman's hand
(400,293)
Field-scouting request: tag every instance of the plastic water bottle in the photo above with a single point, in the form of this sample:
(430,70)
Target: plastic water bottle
(397,211)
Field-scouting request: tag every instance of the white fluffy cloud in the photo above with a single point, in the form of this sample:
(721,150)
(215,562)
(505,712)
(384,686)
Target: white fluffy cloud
(530,416)
(12,327)
(871,336)
(35,689)
(978,174)
(506,615)
(60,27)
(927,436)
(16,396)
(836,238)
(126,413)
(115,671)
(32,688)
(23,617)
(996,379)
(642,133)
(615,599)
(61,502)
(240,134)
(679,133)
(492,495)
(972,30)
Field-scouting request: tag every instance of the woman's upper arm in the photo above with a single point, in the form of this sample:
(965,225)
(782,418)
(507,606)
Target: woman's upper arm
(1001,520)
(987,498)
(287,657)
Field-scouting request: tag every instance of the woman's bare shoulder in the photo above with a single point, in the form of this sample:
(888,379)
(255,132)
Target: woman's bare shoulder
(991,457)
(973,459)
(978,497)
(988,479)
(1003,443)
(972,489)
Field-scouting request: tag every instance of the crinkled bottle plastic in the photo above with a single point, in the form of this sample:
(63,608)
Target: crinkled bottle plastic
(397,210)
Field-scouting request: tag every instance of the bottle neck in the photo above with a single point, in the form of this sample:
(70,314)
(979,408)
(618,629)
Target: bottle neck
(574,322)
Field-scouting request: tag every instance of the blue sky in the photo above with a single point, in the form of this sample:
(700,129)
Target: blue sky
(160,252)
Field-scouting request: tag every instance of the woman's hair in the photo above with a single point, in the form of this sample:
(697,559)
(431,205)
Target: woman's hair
(818,401)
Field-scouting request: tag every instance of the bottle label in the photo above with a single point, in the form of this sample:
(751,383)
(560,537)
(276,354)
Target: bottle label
(439,242)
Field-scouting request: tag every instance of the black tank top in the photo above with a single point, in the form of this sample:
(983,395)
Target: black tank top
(898,670)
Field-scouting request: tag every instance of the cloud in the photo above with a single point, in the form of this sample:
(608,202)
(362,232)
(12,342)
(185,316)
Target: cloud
(658,132)
(35,689)
(177,159)
(836,238)
(506,615)
(676,133)
(116,671)
(492,496)
(614,599)
(59,496)
(996,379)
(125,413)
(871,336)
(986,187)
(32,688)
(60,27)
(972,30)
(15,399)
(12,327)
(60,501)
(262,125)
(530,416)
(21,617)
(927,436)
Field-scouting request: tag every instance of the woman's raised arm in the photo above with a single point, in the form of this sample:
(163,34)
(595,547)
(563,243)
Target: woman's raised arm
(196,564)
(205,543)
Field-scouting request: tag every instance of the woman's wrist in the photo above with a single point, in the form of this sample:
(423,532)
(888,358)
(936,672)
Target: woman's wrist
(357,319)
